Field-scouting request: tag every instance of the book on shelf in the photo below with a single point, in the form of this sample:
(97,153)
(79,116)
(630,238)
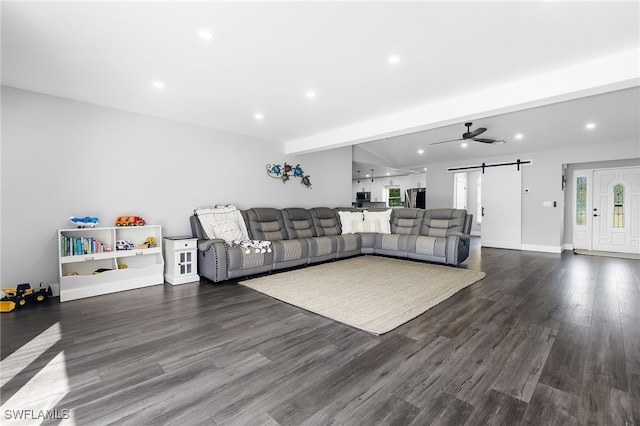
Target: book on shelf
(76,246)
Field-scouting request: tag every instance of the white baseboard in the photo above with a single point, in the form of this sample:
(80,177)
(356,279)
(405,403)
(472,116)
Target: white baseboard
(544,249)
(475,233)
(567,247)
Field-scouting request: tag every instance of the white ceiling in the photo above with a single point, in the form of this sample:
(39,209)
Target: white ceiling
(265,56)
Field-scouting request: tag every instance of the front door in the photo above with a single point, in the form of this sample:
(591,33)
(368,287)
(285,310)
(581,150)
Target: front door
(616,210)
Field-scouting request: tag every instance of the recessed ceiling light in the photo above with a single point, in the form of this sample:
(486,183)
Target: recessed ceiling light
(394,60)
(464,144)
(259,116)
(388,174)
(519,136)
(158,84)
(311,94)
(421,151)
(206,35)
(425,169)
(590,126)
(367,176)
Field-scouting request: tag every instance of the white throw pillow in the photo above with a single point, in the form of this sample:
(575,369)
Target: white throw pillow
(346,219)
(384,218)
(367,226)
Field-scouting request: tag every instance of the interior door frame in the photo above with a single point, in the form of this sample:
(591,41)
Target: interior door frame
(589,226)
(458,192)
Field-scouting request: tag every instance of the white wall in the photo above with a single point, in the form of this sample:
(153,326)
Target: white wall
(62,158)
(542,227)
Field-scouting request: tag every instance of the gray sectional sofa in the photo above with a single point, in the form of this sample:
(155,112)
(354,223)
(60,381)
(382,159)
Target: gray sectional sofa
(301,236)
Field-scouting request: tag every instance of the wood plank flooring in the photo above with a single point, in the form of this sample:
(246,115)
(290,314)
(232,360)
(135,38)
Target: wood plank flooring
(544,339)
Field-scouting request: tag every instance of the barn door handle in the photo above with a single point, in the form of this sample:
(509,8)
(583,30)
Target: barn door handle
(595,215)
(483,211)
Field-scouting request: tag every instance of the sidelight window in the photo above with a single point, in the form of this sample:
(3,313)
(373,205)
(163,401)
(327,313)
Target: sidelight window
(618,206)
(581,201)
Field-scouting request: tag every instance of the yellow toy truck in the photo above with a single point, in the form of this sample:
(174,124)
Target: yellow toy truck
(23,294)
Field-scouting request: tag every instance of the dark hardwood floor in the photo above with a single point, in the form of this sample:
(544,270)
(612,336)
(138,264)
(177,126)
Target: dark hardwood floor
(544,339)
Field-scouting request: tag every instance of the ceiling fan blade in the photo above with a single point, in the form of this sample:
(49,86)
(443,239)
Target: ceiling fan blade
(438,143)
(483,140)
(476,132)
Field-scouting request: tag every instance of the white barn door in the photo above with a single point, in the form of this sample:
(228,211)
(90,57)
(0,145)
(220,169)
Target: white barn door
(502,208)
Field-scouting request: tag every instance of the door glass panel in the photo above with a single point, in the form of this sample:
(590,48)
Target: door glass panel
(618,206)
(581,200)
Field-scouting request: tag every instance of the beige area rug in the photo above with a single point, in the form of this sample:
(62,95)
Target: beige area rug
(608,254)
(372,293)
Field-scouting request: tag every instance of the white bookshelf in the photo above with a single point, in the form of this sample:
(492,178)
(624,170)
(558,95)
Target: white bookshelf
(145,266)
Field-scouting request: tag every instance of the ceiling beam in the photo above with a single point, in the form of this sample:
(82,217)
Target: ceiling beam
(606,74)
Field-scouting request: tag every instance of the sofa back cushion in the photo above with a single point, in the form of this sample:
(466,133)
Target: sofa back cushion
(265,224)
(406,221)
(325,221)
(298,223)
(442,222)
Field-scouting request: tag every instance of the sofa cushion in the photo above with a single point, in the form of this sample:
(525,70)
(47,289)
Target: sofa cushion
(325,221)
(442,222)
(322,246)
(406,221)
(265,224)
(384,217)
(286,250)
(239,259)
(298,223)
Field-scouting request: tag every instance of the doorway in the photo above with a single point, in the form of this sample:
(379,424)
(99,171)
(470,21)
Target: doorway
(607,210)
(460,191)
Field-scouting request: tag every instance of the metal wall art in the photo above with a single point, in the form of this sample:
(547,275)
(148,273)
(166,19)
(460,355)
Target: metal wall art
(286,172)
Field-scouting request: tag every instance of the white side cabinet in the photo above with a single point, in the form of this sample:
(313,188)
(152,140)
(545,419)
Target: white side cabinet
(95,261)
(182,260)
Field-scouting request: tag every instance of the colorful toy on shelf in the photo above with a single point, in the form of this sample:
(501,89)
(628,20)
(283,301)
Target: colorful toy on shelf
(23,294)
(100,270)
(124,245)
(148,243)
(81,222)
(122,265)
(130,221)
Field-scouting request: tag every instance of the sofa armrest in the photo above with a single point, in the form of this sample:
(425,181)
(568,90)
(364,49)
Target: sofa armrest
(464,237)
(204,245)
(213,259)
(457,248)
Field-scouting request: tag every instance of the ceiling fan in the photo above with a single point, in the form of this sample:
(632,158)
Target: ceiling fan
(469,135)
